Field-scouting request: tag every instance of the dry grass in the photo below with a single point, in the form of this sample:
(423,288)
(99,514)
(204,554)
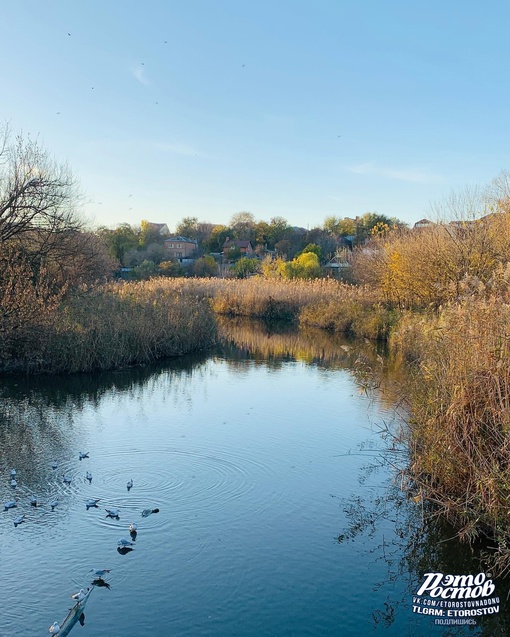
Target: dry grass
(113,326)
(460,400)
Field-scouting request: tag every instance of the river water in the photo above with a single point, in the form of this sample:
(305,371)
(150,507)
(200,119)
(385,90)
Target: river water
(276,476)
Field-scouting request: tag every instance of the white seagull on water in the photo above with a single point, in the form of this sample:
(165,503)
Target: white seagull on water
(83,454)
(14,483)
(92,503)
(123,543)
(53,504)
(112,513)
(81,594)
(19,520)
(100,572)
(129,485)
(13,472)
(88,476)
(10,505)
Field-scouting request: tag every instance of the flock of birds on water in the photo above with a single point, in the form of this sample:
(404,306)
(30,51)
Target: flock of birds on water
(124,545)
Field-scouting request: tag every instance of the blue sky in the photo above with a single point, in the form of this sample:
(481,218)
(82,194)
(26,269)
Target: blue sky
(302,109)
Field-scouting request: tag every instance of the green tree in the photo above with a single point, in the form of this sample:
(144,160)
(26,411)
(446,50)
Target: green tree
(205,267)
(216,239)
(243,226)
(120,240)
(146,270)
(312,247)
(170,268)
(277,231)
(188,227)
(339,227)
(305,266)
(245,266)
(234,253)
(149,234)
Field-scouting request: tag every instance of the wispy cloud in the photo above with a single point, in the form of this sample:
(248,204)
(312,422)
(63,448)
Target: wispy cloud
(139,74)
(371,168)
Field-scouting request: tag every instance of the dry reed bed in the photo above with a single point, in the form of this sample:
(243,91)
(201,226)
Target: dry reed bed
(322,303)
(113,326)
(460,400)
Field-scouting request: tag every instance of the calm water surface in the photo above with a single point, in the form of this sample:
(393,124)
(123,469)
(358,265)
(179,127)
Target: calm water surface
(276,517)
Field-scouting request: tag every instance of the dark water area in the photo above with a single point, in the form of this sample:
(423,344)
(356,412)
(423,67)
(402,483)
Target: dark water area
(278,481)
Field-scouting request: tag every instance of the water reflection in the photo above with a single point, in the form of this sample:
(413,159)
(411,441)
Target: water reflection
(420,543)
(270,482)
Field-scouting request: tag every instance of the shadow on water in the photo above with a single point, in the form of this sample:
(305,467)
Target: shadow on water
(35,409)
(419,543)
(38,413)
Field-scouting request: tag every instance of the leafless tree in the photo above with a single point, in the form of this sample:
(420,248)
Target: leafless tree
(38,196)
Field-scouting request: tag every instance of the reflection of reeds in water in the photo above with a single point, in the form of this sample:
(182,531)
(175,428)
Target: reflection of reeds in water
(260,341)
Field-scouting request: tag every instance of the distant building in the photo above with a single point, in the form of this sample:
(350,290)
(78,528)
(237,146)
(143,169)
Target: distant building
(160,228)
(423,223)
(244,246)
(180,248)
